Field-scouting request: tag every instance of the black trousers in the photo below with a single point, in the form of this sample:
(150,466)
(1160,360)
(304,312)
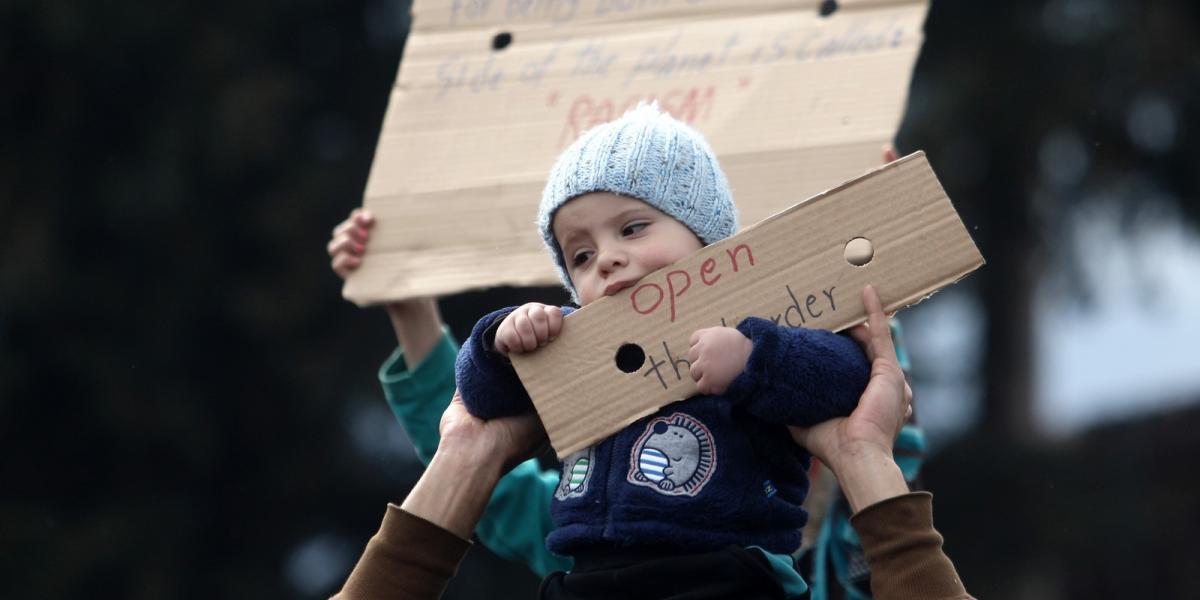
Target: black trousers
(639,574)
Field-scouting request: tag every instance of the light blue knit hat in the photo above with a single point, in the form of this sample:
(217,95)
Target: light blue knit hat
(648,155)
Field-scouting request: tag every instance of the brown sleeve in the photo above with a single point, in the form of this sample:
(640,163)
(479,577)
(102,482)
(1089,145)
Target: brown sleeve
(408,558)
(904,551)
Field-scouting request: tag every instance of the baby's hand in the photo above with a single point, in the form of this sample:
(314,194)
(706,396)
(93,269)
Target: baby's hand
(718,355)
(349,241)
(527,328)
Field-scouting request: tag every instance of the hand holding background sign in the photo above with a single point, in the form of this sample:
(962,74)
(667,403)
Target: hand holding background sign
(793,101)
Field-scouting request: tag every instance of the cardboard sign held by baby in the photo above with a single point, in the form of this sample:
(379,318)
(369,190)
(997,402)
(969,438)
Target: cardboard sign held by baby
(625,356)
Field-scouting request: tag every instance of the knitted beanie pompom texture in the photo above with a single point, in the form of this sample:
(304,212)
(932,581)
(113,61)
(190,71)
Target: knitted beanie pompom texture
(649,155)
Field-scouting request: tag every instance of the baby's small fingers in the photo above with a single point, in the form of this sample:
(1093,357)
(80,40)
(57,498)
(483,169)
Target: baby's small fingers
(697,370)
(554,319)
(524,329)
(500,344)
(364,218)
(541,325)
(505,334)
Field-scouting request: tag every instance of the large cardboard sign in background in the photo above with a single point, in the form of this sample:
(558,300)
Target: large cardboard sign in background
(490,91)
(801,268)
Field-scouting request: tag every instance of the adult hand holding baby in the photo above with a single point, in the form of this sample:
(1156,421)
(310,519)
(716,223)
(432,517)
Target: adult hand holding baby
(471,458)
(858,448)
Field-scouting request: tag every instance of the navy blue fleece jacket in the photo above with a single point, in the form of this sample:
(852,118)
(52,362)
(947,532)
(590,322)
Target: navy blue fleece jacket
(702,473)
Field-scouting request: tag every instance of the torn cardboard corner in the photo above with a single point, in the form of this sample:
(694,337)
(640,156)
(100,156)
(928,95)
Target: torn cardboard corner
(491,91)
(623,357)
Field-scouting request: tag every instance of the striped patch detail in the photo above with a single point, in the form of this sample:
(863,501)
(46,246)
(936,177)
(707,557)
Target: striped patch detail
(575,475)
(579,473)
(652,462)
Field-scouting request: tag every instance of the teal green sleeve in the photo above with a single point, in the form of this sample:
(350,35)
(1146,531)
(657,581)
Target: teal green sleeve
(420,396)
(517,519)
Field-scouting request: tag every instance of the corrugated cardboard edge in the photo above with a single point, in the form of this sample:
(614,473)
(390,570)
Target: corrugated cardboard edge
(899,304)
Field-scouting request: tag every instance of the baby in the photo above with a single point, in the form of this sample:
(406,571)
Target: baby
(705,494)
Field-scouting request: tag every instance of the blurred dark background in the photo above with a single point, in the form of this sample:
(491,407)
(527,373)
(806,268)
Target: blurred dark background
(189,409)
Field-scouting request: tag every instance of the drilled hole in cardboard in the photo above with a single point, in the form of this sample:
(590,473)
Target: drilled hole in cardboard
(827,7)
(502,40)
(630,357)
(859,251)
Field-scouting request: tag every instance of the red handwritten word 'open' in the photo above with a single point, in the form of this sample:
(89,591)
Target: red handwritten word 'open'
(647,297)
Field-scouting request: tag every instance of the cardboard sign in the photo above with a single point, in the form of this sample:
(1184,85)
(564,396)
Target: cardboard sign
(623,357)
(491,91)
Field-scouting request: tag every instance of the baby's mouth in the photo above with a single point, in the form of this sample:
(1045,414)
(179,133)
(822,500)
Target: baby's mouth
(613,288)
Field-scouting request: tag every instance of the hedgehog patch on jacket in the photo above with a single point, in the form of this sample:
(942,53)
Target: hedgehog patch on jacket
(674,456)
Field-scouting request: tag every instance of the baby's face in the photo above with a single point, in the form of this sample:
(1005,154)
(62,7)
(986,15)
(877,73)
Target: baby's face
(610,241)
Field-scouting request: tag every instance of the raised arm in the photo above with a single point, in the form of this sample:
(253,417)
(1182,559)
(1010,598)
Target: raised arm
(419,544)
(418,382)
(417,322)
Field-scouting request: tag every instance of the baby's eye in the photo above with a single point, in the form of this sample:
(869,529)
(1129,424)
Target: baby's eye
(633,228)
(581,257)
